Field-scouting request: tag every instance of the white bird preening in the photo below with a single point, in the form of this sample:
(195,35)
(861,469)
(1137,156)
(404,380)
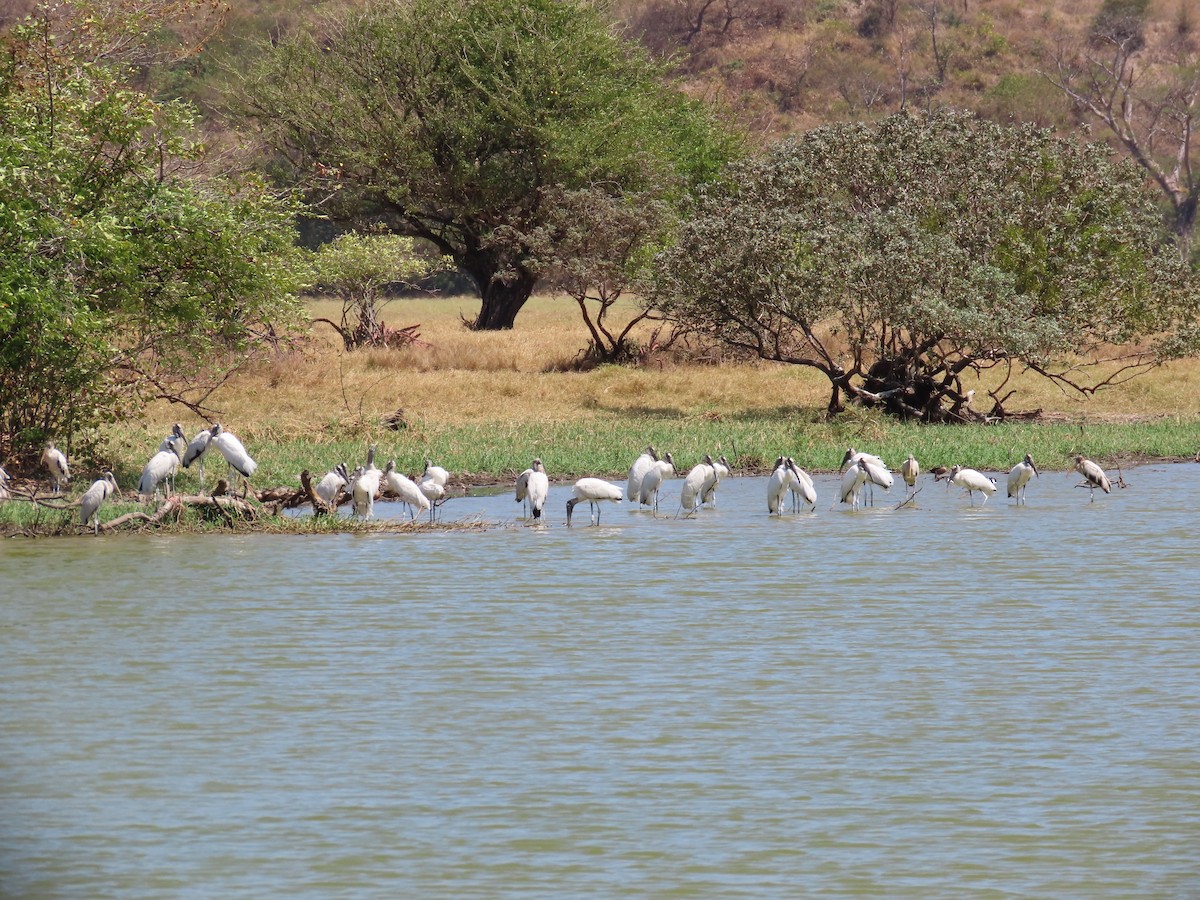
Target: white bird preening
(852,482)
(93,497)
(701,481)
(365,486)
(653,479)
(533,485)
(1093,476)
(972,481)
(594,491)
(778,486)
(56,463)
(874,468)
(227,444)
(802,487)
(1018,478)
(433,485)
(196,449)
(405,488)
(641,465)
(162,466)
(721,469)
(331,486)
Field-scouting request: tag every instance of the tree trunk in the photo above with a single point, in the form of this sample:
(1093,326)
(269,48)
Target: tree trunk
(502,297)
(502,302)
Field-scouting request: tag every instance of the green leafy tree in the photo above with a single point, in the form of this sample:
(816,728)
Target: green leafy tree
(121,277)
(358,268)
(896,258)
(451,120)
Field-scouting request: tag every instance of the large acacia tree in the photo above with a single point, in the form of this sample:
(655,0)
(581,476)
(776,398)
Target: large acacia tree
(452,120)
(896,258)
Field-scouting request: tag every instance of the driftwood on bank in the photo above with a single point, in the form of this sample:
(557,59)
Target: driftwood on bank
(227,507)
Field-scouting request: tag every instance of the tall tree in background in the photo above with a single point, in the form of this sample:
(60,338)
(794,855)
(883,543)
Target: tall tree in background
(451,120)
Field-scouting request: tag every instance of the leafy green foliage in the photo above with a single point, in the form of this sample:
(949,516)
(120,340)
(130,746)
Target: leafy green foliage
(357,268)
(121,277)
(450,119)
(896,257)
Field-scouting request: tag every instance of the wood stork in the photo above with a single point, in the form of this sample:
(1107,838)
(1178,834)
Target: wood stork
(56,463)
(594,491)
(176,439)
(4,479)
(700,478)
(641,465)
(877,474)
(227,444)
(802,487)
(852,481)
(196,449)
(435,473)
(972,481)
(721,469)
(658,473)
(535,489)
(405,488)
(162,466)
(93,497)
(778,486)
(330,487)
(1093,476)
(1018,478)
(852,456)
(362,495)
(909,470)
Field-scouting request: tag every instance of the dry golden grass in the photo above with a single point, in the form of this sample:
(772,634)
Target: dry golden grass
(480,377)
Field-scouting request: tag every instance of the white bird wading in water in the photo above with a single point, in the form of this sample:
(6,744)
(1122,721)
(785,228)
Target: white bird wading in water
(1018,478)
(973,481)
(594,491)
(1093,476)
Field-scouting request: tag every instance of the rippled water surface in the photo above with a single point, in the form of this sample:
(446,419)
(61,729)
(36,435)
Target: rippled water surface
(944,701)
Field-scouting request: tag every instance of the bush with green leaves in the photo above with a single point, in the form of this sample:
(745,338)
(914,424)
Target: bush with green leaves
(900,256)
(124,275)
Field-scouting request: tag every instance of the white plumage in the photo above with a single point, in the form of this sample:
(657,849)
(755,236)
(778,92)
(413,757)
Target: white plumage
(56,463)
(652,481)
(778,486)
(720,469)
(330,487)
(162,466)
(176,441)
(852,481)
(641,465)
(405,488)
(593,490)
(227,444)
(700,476)
(802,487)
(93,497)
(909,470)
(533,486)
(435,473)
(1019,476)
(1093,476)
(3,484)
(363,491)
(973,481)
(196,449)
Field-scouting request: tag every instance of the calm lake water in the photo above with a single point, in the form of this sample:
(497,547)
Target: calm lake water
(938,702)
